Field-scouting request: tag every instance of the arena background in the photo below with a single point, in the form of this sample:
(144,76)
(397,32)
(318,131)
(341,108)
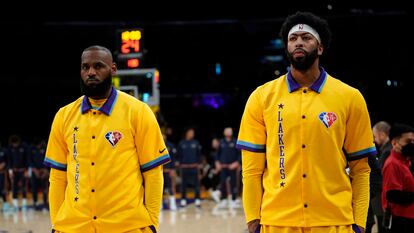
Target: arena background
(371,50)
(210,54)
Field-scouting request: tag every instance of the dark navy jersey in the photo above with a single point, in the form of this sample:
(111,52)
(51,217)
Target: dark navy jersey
(227,152)
(375,175)
(18,157)
(36,157)
(173,153)
(3,157)
(189,152)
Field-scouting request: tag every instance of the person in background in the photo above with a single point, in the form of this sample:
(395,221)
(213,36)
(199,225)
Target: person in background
(38,173)
(227,162)
(18,169)
(3,177)
(381,131)
(398,181)
(211,174)
(170,174)
(189,160)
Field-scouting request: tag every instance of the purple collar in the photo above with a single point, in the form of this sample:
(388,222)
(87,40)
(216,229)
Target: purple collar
(316,86)
(105,108)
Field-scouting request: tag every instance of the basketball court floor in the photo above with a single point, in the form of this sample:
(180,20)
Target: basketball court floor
(210,218)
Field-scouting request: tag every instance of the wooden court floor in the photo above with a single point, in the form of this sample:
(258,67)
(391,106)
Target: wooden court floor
(210,218)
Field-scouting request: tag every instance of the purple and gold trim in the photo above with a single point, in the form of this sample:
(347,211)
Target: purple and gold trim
(53,164)
(156,162)
(106,108)
(316,86)
(242,145)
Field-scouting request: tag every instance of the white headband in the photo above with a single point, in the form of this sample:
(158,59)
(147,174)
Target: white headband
(304,28)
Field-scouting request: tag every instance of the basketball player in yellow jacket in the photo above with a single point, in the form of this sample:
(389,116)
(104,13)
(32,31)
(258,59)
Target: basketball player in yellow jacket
(105,150)
(305,138)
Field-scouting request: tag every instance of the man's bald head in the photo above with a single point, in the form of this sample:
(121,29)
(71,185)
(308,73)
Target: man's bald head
(99,48)
(381,131)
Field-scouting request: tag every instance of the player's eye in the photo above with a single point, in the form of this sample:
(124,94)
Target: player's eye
(292,38)
(84,67)
(306,38)
(98,66)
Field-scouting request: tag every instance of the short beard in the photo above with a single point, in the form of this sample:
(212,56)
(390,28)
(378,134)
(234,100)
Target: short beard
(303,63)
(97,91)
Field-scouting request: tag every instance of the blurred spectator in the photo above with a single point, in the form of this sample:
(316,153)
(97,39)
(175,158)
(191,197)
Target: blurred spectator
(398,181)
(3,177)
(227,162)
(381,131)
(38,173)
(210,175)
(189,159)
(18,169)
(169,174)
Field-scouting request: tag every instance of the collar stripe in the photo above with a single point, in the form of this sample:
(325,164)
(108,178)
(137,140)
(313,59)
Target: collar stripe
(106,108)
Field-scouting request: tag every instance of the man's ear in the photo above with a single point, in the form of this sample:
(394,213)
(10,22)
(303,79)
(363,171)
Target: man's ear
(320,49)
(394,142)
(113,68)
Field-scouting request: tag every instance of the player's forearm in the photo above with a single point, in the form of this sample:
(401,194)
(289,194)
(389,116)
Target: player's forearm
(360,190)
(58,182)
(252,197)
(154,181)
(253,168)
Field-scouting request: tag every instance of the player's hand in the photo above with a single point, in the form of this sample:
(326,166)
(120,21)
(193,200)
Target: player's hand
(172,173)
(36,172)
(26,174)
(11,174)
(361,229)
(218,166)
(253,225)
(234,165)
(43,174)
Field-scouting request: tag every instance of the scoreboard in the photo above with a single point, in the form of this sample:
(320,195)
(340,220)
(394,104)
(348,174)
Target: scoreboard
(129,48)
(131,76)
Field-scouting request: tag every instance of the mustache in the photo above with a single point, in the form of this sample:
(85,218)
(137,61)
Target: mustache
(301,50)
(92,79)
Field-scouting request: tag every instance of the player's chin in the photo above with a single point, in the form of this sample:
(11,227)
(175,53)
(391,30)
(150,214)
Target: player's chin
(299,57)
(92,83)
(91,86)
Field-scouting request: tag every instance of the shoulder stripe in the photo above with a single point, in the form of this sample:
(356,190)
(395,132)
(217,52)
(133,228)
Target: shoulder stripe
(362,153)
(53,164)
(156,162)
(242,145)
